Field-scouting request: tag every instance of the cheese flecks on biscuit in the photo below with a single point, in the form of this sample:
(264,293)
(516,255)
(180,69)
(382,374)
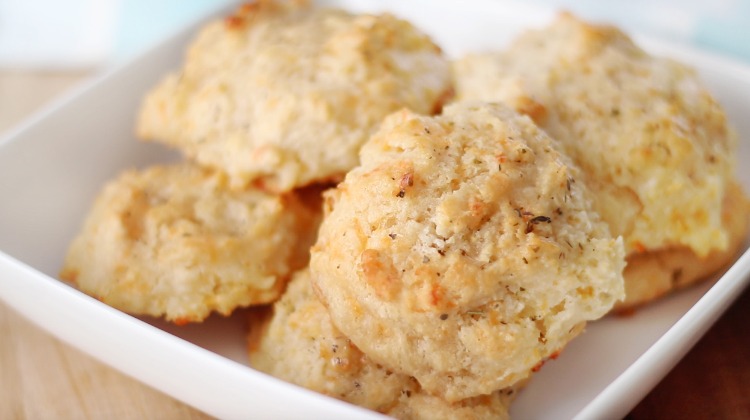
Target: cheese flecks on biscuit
(174,241)
(284,95)
(463,251)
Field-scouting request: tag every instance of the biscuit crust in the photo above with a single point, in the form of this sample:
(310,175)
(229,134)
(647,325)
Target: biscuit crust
(174,241)
(462,251)
(299,344)
(283,95)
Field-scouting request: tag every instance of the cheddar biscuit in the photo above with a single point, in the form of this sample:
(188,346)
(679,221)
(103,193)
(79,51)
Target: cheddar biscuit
(463,250)
(654,145)
(174,241)
(283,95)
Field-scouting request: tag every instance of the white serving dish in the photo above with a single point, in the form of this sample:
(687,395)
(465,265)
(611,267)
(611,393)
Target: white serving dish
(52,166)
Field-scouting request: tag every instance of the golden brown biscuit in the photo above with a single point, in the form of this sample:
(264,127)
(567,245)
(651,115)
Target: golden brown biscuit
(299,344)
(174,241)
(284,95)
(655,147)
(462,251)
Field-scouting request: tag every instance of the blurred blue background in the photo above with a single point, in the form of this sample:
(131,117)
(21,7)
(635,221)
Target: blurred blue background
(95,33)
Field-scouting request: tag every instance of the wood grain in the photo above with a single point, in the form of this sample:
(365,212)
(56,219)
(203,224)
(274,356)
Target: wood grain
(713,380)
(43,378)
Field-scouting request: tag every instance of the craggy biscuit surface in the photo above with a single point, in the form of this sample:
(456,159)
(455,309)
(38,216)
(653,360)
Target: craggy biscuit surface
(299,344)
(284,95)
(654,145)
(462,251)
(174,241)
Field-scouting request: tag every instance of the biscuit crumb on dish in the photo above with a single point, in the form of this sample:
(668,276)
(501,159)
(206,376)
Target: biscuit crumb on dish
(654,145)
(463,250)
(282,95)
(175,242)
(298,343)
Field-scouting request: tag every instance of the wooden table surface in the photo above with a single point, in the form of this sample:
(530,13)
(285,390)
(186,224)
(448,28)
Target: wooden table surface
(43,378)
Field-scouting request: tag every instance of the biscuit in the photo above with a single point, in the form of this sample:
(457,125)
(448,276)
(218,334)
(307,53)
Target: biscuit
(283,95)
(651,274)
(463,251)
(174,241)
(654,145)
(299,344)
